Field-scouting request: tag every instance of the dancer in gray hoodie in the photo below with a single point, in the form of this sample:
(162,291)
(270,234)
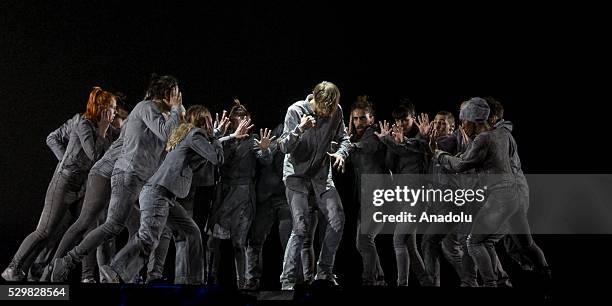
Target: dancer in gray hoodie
(310,127)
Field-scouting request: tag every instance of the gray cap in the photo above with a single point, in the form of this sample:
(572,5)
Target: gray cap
(475,110)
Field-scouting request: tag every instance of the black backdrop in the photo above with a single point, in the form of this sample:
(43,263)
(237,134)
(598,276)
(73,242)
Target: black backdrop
(543,63)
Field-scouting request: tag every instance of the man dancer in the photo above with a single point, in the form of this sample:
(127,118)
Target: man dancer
(307,172)
(367,157)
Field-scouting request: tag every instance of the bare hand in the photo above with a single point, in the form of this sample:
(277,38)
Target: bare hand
(222,124)
(307,122)
(265,141)
(176,97)
(384,129)
(398,133)
(423,123)
(338,161)
(243,129)
(106,117)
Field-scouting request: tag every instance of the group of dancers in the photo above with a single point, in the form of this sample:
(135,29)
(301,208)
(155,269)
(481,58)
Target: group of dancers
(141,170)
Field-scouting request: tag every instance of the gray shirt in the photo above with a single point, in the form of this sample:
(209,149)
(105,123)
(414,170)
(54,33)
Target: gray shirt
(306,158)
(58,140)
(193,159)
(144,139)
(85,147)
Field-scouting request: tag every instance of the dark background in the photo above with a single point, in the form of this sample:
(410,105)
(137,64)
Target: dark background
(548,65)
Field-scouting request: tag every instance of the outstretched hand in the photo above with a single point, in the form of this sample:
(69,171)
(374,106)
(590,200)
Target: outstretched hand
(384,129)
(264,135)
(243,128)
(338,161)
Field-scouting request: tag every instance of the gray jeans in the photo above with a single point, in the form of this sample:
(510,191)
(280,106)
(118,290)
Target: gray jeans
(62,193)
(125,188)
(330,205)
(159,209)
(275,208)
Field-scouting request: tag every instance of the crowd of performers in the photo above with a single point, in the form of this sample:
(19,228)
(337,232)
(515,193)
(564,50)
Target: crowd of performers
(141,169)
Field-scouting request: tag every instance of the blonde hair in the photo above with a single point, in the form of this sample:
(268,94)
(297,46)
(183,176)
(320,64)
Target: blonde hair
(326,98)
(195,118)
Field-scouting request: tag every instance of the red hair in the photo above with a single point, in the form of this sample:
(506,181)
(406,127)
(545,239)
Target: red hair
(98,101)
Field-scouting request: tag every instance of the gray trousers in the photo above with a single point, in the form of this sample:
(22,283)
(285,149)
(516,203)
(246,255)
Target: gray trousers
(366,245)
(502,208)
(62,193)
(159,209)
(266,213)
(125,188)
(330,205)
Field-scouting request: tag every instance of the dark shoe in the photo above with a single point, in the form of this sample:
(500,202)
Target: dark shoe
(13,275)
(46,275)
(35,272)
(111,275)
(252,284)
(62,268)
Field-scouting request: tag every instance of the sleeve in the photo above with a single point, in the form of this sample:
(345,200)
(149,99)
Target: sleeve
(92,143)
(213,152)
(473,157)
(58,140)
(369,145)
(408,146)
(290,138)
(157,123)
(342,137)
(265,157)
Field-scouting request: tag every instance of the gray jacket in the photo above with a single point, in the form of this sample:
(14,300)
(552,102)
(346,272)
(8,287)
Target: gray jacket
(58,140)
(85,147)
(144,139)
(367,155)
(241,156)
(489,153)
(407,157)
(306,156)
(190,163)
(515,160)
(104,166)
(270,176)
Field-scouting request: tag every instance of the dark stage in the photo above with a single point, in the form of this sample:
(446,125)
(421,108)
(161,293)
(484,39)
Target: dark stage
(547,66)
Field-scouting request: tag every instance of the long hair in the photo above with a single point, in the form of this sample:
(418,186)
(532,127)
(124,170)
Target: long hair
(195,117)
(326,98)
(98,101)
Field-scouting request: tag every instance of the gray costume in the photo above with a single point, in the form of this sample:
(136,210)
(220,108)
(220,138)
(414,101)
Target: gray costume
(490,153)
(234,206)
(271,207)
(307,174)
(84,148)
(187,166)
(144,139)
(407,157)
(96,200)
(367,155)
(442,238)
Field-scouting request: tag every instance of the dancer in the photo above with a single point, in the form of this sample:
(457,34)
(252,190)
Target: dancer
(234,207)
(310,127)
(144,139)
(88,141)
